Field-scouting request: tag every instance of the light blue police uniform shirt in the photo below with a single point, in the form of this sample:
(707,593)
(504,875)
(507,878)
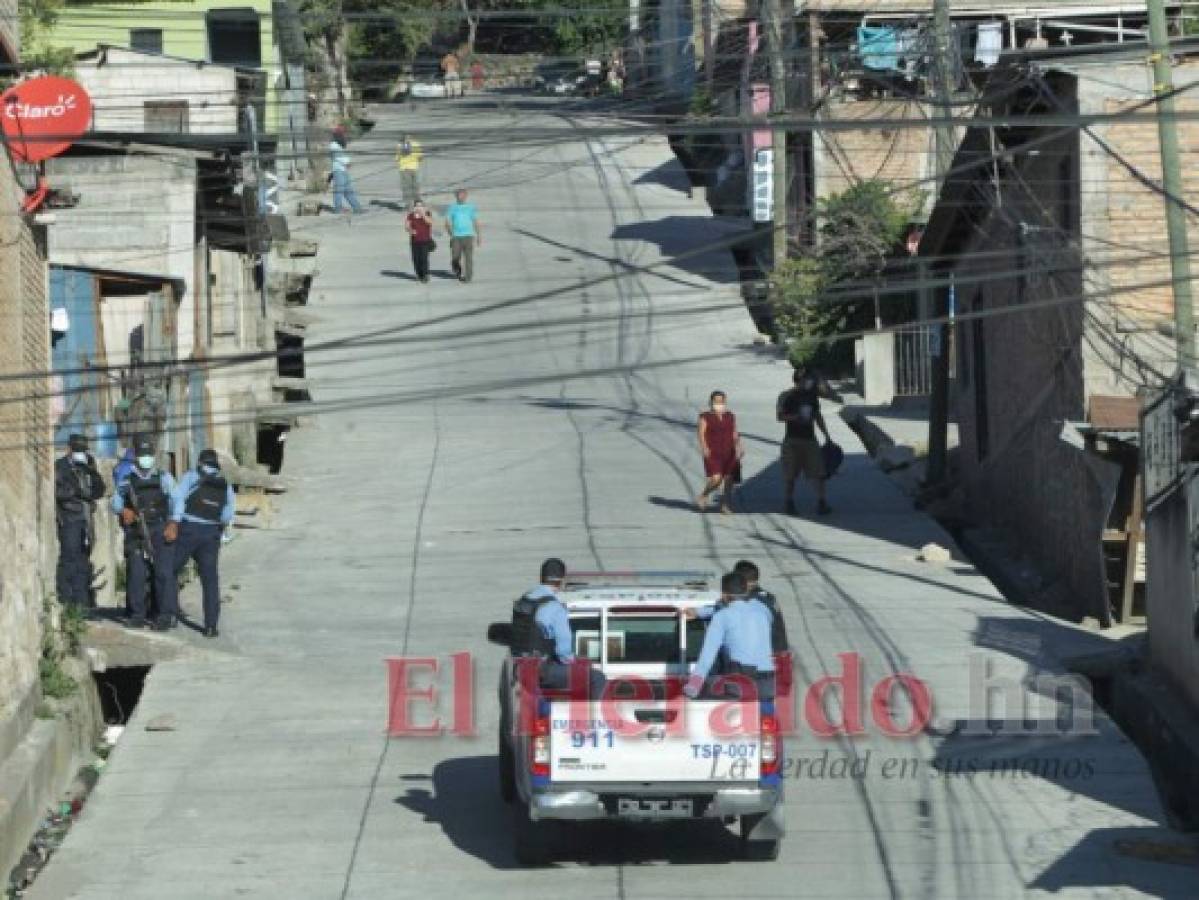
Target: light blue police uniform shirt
(461,217)
(554,622)
(118,496)
(189,483)
(742,630)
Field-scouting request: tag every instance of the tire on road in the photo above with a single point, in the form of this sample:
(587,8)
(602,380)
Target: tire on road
(507,764)
(532,840)
(757,851)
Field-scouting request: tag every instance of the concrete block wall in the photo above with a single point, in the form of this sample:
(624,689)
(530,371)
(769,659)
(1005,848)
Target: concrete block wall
(121,83)
(135,213)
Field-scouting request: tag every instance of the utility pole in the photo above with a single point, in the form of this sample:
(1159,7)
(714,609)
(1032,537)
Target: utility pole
(260,190)
(938,405)
(773,14)
(1176,220)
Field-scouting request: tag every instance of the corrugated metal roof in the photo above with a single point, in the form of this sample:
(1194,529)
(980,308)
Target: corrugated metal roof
(982,7)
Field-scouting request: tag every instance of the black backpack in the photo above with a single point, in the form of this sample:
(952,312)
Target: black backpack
(527,639)
(778,628)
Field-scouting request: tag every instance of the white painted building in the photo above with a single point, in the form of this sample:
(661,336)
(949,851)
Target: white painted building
(136,92)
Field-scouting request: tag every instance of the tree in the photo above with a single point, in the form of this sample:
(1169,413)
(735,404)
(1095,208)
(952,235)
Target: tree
(826,289)
(37,19)
(472,25)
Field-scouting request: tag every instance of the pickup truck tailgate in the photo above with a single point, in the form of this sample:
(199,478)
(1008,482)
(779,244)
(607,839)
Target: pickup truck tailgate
(589,749)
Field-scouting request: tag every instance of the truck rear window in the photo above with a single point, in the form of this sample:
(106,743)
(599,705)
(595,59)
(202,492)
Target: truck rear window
(638,638)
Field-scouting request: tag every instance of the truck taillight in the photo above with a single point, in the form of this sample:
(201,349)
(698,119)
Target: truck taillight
(539,747)
(772,744)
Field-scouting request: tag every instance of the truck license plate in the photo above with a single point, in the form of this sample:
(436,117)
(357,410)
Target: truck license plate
(654,809)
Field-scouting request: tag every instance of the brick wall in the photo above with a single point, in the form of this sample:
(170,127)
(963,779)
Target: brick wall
(1135,213)
(846,158)
(27,541)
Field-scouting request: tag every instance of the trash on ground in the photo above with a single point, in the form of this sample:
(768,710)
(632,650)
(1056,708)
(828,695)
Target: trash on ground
(934,553)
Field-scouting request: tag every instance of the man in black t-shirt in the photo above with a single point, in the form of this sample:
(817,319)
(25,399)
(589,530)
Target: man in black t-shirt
(799,410)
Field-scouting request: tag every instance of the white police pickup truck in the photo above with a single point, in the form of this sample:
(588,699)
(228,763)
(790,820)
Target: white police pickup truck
(647,753)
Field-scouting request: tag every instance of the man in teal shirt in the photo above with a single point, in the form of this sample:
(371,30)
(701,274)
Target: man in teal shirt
(463,227)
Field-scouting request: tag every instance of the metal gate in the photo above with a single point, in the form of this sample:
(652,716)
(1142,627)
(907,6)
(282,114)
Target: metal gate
(913,360)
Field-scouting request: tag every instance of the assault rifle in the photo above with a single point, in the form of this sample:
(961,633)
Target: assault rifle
(136,506)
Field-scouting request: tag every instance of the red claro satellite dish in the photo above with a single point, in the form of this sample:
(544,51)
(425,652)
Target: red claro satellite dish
(42,117)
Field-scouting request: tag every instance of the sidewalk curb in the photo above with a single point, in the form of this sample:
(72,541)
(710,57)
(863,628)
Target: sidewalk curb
(874,439)
(1152,713)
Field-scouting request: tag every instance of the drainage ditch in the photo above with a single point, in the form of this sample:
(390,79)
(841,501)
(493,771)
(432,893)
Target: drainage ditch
(119,690)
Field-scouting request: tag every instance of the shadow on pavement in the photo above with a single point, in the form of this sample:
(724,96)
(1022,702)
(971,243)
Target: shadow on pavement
(667,174)
(674,503)
(678,235)
(602,257)
(392,273)
(465,803)
(1151,861)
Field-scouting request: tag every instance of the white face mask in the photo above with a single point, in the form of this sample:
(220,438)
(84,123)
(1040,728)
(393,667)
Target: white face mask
(79,456)
(209,470)
(718,407)
(146,463)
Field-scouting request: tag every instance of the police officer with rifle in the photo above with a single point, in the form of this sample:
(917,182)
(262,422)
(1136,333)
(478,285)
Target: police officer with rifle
(77,487)
(142,500)
(201,507)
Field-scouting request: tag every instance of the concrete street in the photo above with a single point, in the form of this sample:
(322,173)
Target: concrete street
(548,408)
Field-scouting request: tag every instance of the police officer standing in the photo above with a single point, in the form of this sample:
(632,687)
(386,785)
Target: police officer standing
(741,629)
(77,487)
(142,500)
(201,507)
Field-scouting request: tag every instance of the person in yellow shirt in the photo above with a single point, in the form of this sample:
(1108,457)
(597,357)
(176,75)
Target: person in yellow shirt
(408,158)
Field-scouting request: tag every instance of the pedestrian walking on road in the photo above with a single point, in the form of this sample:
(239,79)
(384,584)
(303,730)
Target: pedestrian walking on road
(720,445)
(77,486)
(201,507)
(419,225)
(799,409)
(466,233)
(408,160)
(142,501)
(343,184)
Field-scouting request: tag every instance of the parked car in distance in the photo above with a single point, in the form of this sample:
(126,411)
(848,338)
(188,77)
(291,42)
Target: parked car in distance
(426,81)
(558,78)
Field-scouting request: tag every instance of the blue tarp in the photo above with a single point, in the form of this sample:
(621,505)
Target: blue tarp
(74,290)
(879,48)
